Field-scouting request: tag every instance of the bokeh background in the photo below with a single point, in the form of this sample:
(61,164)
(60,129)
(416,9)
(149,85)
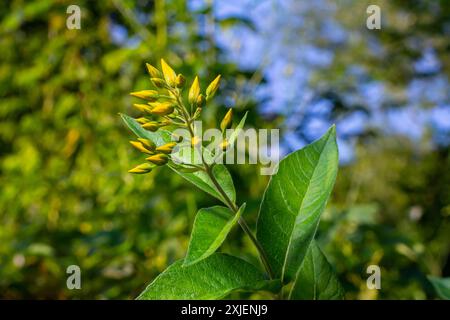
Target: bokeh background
(65,194)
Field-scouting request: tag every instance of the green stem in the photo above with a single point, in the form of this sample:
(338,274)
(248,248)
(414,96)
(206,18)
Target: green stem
(230,204)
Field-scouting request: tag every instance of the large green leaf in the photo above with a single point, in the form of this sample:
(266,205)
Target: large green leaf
(316,279)
(211,227)
(442,286)
(159,137)
(212,278)
(203,181)
(293,202)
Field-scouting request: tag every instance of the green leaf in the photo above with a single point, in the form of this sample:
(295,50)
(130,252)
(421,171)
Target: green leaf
(212,278)
(293,202)
(316,279)
(159,137)
(442,286)
(202,181)
(211,227)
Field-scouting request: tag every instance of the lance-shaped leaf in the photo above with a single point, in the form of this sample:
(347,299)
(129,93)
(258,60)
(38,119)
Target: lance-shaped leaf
(211,227)
(159,137)
(442,286)
(204,182)
(293,202)
(212,278)
(316,279)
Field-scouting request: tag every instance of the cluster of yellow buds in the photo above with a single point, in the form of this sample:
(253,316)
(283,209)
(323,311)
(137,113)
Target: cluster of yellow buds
(165,107)
(157,156)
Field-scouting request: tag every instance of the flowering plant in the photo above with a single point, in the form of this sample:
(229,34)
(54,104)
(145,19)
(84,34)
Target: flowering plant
(294,266)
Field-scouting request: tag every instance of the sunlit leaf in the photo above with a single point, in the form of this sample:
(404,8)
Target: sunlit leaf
(212,278)
(293,202)
(211,227)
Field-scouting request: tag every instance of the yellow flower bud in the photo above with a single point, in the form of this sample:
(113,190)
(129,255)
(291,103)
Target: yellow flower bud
(142,120)
(212,88)
(169,75)
(142,168)
(180,81)
(158,159)
(150,95)
(166,148)
(152,71)
(194,91)
(227,121)
(138,145)
(142,107)
(200,101)
(151,126)
(159,83)
(166,123)
(149,144)
(163,109)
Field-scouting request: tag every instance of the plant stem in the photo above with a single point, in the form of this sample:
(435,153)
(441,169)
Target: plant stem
(230,204)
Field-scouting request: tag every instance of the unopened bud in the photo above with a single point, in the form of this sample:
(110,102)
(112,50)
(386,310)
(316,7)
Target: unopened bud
(200,101)
(142,107)
(180,81)
(150,95)
(169,74)
(153,72)
(212,88)
(149,144)
(151,126)
(158,82)
(194,91)
(142,120)
(166,148)
(227,121)
(142,168)
(139,146)
(163,109)
(158,159)
(166,123)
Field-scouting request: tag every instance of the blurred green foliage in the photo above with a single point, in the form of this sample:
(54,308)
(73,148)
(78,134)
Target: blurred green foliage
(66,197)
